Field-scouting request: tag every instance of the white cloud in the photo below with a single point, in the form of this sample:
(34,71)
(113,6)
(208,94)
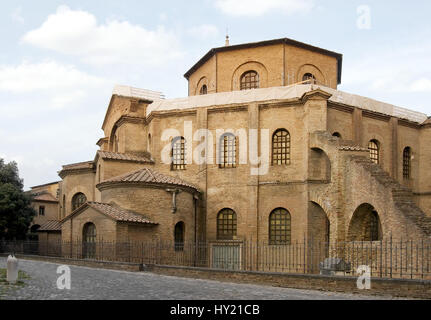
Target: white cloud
(382,70)
(78,33)
(49,75)
(16,15)
(261,7)
(421,85)
(204,31)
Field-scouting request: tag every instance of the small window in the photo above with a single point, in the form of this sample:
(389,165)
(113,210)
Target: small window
(374,226)
(178,154)
(250,80)
(226,224)
(374,148)
(279,227)
(179,236)
(227,151)
(309,78)
(336,134)
(204,90)
(281,147)
(41,210)
(78,200)
(407,155)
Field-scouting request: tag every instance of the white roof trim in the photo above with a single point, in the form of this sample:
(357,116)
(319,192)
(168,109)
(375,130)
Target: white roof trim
(283,93)
(127,91)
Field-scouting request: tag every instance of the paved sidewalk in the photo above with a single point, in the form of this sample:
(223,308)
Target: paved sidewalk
(102,284)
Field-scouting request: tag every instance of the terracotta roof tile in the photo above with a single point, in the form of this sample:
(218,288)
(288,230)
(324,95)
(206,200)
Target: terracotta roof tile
(51,225)
(44,196)
(124,157)
(150,176)
(119,213)
(79,165)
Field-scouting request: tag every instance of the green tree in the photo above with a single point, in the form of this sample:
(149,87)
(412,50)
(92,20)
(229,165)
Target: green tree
(16,213)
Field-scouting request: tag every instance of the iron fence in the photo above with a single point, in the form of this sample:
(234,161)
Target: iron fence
(386,259)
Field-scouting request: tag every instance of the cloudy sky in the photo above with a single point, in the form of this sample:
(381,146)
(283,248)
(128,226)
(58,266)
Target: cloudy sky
(59,60)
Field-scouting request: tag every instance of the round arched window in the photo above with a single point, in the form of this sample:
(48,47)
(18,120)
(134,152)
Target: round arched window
(250,80)
(78,200)
(374,148)
(279,227)
(309,78)
(226,224)
(204,90)
(179,236)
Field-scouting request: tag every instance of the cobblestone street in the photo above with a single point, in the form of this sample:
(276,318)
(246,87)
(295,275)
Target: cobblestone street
(102,284)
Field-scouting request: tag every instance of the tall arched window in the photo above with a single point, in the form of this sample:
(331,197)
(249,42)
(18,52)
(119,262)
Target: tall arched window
(281,147)
(178,154)
(227,151)
(89,240)
(374,226)
(226,224)
(374,148)
(279,227)
(407,154)
(78,200)
(310,78)
(203,90)
(179,236)
(250,80)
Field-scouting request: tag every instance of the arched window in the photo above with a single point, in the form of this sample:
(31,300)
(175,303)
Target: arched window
(78,200)
(407,155)
(279,227)
(374,148)
(178,154)
(226,224)
(179,236)
(280,147)
(203,90)
(250,80)
(336,134)
(374,226)
(227,151)
(89,240)
(310,78)
(149,142)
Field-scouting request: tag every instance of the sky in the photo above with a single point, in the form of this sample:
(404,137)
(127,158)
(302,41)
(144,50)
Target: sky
(59,60)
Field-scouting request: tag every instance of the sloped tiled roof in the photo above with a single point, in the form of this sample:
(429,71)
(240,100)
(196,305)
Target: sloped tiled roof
(124,157)
(80,166)
(118,213)
(51,225)
(149,176)
(44,196)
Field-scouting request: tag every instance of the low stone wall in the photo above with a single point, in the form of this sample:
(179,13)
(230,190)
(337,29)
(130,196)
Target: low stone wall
(379,286)
(125,266)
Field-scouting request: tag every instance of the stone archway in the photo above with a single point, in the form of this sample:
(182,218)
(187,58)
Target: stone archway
(365,224)
(319,235)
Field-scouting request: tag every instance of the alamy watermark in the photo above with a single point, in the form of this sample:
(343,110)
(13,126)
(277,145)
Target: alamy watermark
(64,281)
(363,22)
(364,279)
(246,149)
